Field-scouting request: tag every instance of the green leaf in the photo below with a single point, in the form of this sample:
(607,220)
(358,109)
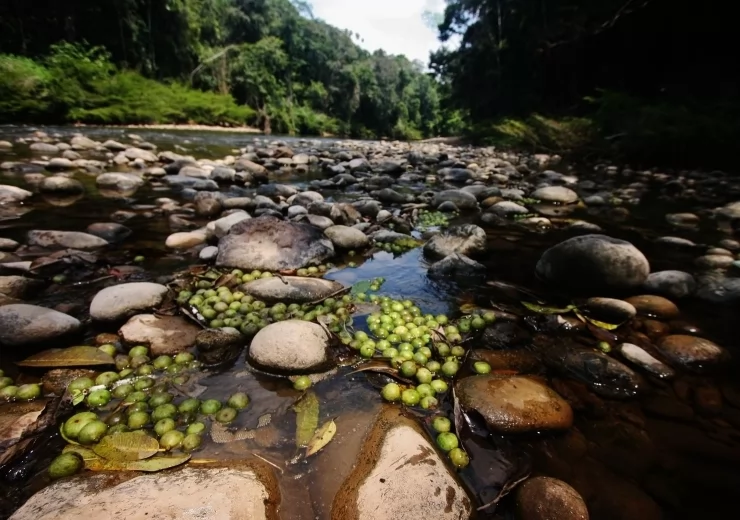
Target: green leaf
(362,286)
(597,323)
(77,397)
(542,309)
(321,438)
(307,418)
(95,463)
(126,446)
(68,357)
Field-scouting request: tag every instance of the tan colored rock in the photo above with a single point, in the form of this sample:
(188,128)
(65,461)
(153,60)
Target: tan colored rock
(545,498)
(162,334)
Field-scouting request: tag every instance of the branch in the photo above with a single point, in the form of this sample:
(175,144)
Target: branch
(210,59)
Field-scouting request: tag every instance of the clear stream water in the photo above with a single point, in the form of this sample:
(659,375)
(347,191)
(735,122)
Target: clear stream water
(672,453)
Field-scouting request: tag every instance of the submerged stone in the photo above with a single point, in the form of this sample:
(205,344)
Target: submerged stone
(468,240)
(545,498)
(691,351)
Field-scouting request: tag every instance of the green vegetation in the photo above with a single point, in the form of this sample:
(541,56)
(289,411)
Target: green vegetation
(265,63)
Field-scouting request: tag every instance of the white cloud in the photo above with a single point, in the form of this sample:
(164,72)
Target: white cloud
(396,26)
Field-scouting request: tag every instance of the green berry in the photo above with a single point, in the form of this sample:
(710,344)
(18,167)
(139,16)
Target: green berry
(481,367)
(391,392)
(210,407)
(238,401)
(441,424)
(447,441)
(65,465)
(458,458)
(302,383)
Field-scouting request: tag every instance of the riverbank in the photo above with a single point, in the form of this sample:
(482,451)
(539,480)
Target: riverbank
(188,127)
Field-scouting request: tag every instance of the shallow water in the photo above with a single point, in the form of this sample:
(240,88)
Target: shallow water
(668,449)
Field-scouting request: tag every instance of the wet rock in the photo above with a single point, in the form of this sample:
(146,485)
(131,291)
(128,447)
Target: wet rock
(677,242)
(594,262)
(609,310)
(640,357)
(56,381)
(516,404)
(291,289)
(251,167)
(22,324)
(17,286)
(708,262)
(13,193)
(291,346)
(384,236)
(399,475)
(504,335)
(455,175)
(208,253)
(545,498)
(60,184)
(296,211)
(461,199)
(344,237)
(60,163)
(162,334)
(467,240)
(44,148)
(238,491)
(109,231)
(236,203)
(691,351)
(64,240)
(448,207)
(219,346)
(133,154)
(507,208)
(269,244)
(186,239)
(456,266)
(559,194)
(345,214)
(367,208)
(6,145)
(7,244)
(114,145)
(603,374)
(654,306)
(119,302)
(81,142)
(682,220)
(194,171)
(208,207)
(119,182)
(391,196)
(673,284)
(516,360)
(307,197)
(221,227)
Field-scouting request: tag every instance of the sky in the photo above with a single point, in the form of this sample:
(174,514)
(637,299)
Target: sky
(396,26)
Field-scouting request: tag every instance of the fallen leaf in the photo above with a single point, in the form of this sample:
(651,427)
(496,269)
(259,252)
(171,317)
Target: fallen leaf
(126,446)
(362,286)
(307,418)
(95,463)
(596,323)
(321,438)
(542,309)
(68,357)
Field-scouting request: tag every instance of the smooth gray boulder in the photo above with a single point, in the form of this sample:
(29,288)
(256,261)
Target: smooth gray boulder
(593,263)
(64,240)
(119,181)
(291,346)
(269,244)
(291,289)
(559,194)
(23,324)
(345,237)
(119,302)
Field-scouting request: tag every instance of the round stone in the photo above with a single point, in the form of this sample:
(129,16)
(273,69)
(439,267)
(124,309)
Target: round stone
(345,237)
(673,284)
(512,405)
(654,306)
(291,346)
(545,498)
(691,351)
(609,310)
(122,301)
(559,194)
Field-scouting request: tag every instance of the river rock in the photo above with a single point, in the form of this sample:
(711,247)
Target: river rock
(119,181)
(237,492)
(217,346)
(672,284)
(467,240)
(462,199)
(507,208)
(208,253)
(109,231)
(709,262)
(81,142)
(559,194)
(391,196)
(13,193)
(119,302)
(609,310)
(642,358)
(220,228)
(133,154)
(194,171)
(115,146)
(691,351)
(654,306)
(64,240)
(291,289)
(22,324)
(292,346)
(512,405)
(456,266)
(594,262)
(6,145)
(603,374)
(545,498)
(44,148)
(7,244)
(269,244)
(17,286)
(345,237)
(162,334)
(307,197)
(60,184)
(186,239)
(399,476)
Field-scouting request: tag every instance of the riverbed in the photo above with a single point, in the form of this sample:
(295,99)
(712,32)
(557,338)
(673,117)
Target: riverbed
(667,447)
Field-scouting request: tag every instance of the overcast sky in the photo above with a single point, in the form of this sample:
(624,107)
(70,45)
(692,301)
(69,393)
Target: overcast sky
(396,26)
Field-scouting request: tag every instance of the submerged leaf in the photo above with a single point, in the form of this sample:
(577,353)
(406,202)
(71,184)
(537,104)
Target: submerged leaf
(68,357)
(95,463)
(542,309)
(321,438)
(362,286)
(126,446)
(307,418)
(596,323)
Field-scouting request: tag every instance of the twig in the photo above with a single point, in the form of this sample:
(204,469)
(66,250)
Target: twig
(270,463)
(335,293)
(96,280)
